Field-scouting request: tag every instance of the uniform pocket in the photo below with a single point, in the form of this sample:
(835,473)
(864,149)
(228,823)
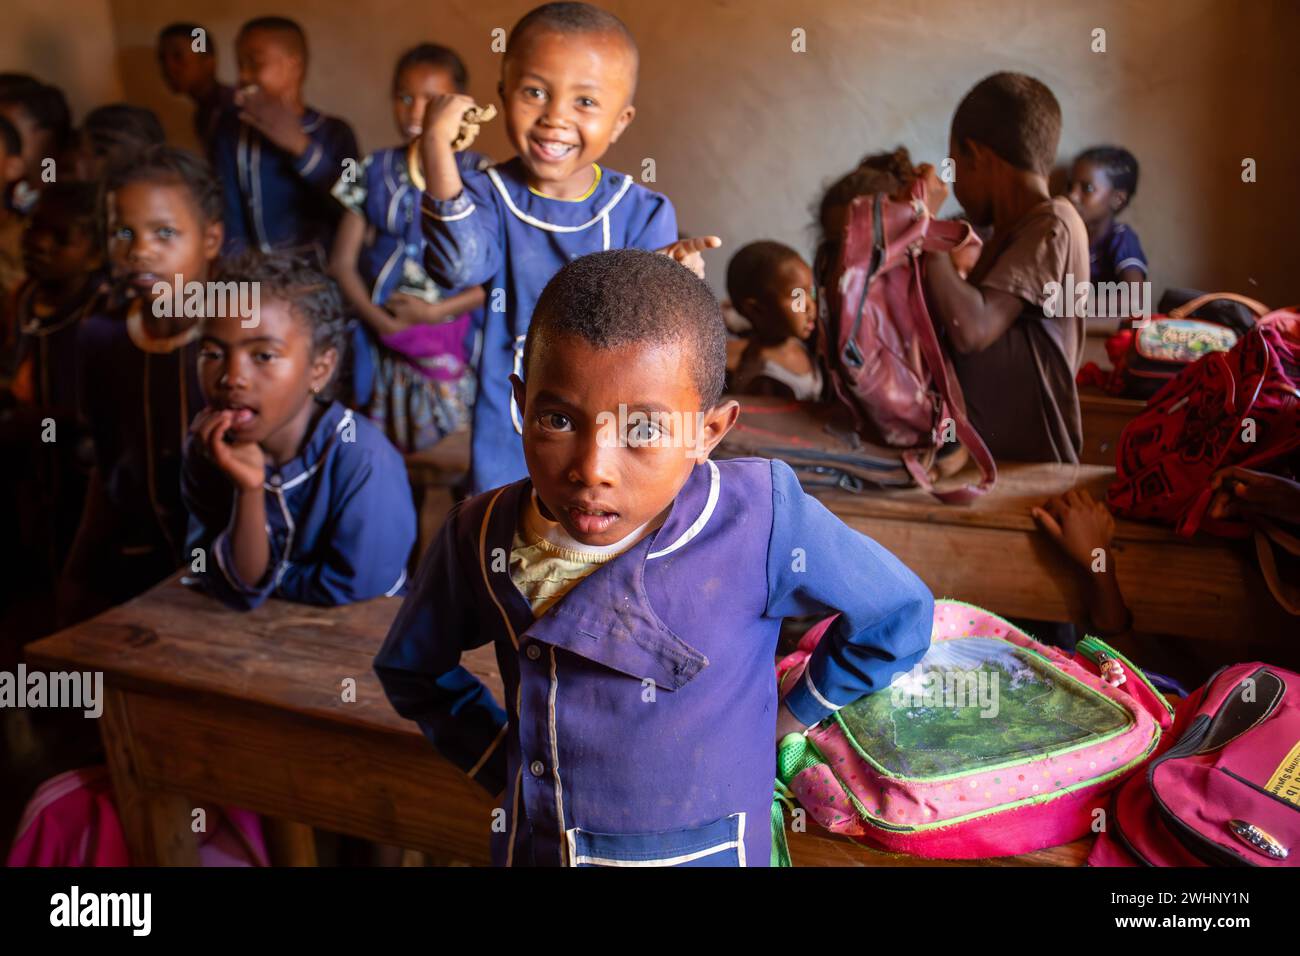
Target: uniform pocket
(720,843)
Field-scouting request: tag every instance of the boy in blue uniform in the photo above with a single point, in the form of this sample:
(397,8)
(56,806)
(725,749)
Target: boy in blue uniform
(289,493)
(566,85)
(276,157)
(634,591)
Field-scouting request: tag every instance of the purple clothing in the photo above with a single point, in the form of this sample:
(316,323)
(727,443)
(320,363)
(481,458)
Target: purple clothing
(1116,251)
(640,712)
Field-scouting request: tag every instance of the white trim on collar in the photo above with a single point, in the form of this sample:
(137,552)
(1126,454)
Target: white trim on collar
(698,525)
(551,227)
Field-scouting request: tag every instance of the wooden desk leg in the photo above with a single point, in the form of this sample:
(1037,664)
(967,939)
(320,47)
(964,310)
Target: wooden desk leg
(156,824)
(289,843)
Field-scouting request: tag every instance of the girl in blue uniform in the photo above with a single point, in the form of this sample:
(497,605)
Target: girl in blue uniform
(566,86)
(634,590)
(289,493)
(136,382)
(418,335)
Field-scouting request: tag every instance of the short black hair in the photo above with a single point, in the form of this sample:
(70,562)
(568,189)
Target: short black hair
(875,173)
(1120,165)
(10,140)
(121,127)
(186,31)
(312,296)
(1014,115)
(750,267)
(435,55)
(45,104)
(575,18)
(171,165)
(629,296)
(283,26)
(73,202)
(10,81)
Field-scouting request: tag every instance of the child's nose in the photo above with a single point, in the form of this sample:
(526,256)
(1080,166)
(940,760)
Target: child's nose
(593,462)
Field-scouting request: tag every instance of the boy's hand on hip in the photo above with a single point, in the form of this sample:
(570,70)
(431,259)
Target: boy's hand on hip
(688,252)
(243,462)
(273,118)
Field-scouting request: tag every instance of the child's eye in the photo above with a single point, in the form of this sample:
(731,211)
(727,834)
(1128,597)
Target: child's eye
(533,93)
(209,354)
(643,432)
(586,102)
(555,422)
(406,99)
(123,234)
(264,356)
(167,232)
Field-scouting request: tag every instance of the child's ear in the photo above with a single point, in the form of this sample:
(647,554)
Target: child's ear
(213,235)
(322,369)
(1118,199)
(717,421)
(620,124)
(517,386)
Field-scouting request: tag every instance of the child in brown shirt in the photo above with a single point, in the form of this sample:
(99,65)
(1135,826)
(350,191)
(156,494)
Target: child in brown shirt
(1014,326)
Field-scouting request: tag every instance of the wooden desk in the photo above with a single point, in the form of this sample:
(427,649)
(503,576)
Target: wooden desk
(203,704)
(991,553)
(1104,419)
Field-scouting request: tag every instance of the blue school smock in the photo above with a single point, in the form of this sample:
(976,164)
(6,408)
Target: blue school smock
(500,234)
(340,518)
(640,713)
(271,200)
(138,406)
(1117,250)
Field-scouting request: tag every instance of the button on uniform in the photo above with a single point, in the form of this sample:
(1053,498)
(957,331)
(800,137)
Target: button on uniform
(533,652)
(537,768)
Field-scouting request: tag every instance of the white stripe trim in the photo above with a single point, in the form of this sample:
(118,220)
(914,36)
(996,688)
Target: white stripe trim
(807,678)
(454,218)
(288,543)
(317,153)
(515,418)
(714,479)
(501,734)
(551,227)
(514,813)
(555,751)
(398,586)
(1133,262)
(482,563)
(737,844)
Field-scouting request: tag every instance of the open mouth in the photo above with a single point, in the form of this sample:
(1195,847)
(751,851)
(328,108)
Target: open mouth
(592,521)
(243,416)
(414,132)
(551,150)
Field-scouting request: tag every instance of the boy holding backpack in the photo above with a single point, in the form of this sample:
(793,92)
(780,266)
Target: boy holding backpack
(1014,353)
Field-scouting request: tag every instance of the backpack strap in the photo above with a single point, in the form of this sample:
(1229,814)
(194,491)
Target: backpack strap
(1187,308)
(1268,534)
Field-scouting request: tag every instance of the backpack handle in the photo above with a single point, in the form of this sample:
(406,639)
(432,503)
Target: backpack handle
(1187,308)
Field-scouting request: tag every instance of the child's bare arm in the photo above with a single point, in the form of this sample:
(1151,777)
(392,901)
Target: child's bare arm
(243,463)
(974,318)
(442,119)
(1084,528)
(412,310)
(343,267)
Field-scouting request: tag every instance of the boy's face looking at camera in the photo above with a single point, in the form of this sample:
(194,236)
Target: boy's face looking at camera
(266,375)
(271,61)
(600,485)
(415,86)
(185,71)
(567,97)
(156,232)
(1092,193)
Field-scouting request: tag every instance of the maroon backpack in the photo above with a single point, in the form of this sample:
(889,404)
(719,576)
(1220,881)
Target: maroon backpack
(1240,407)
(879,344)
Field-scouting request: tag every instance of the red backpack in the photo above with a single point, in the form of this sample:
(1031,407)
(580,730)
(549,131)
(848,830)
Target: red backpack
(1235,408)
(879,342)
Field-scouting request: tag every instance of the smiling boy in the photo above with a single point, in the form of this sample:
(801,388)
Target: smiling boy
(567,82)
(634,591)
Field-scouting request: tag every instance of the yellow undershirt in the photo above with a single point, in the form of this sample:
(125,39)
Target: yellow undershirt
(546,563)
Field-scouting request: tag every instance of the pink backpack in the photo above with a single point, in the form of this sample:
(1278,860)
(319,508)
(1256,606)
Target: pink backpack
(879,340)
(1227,792)
(71,820)
(941,765)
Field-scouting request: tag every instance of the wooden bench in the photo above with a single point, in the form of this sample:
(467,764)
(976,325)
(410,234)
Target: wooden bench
(992,553)
(1104,420)
(204,705)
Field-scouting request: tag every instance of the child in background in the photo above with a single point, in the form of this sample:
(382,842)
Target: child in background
(110,135)
(137,383)
(289,493)
(1103,182)
(567,80)
(193,73)
(40,114)
(419,333)
(277,158)
(590,621)
(771,286)
(40,441)
(12,225)
(1015,362)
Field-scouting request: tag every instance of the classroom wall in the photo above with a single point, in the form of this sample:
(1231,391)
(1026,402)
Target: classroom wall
(66,42)
(744,131)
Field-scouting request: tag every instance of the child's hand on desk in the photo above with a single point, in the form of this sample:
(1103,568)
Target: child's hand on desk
(271,117)
(1238,490)
(1080,524)
(687,252)
(243,462)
